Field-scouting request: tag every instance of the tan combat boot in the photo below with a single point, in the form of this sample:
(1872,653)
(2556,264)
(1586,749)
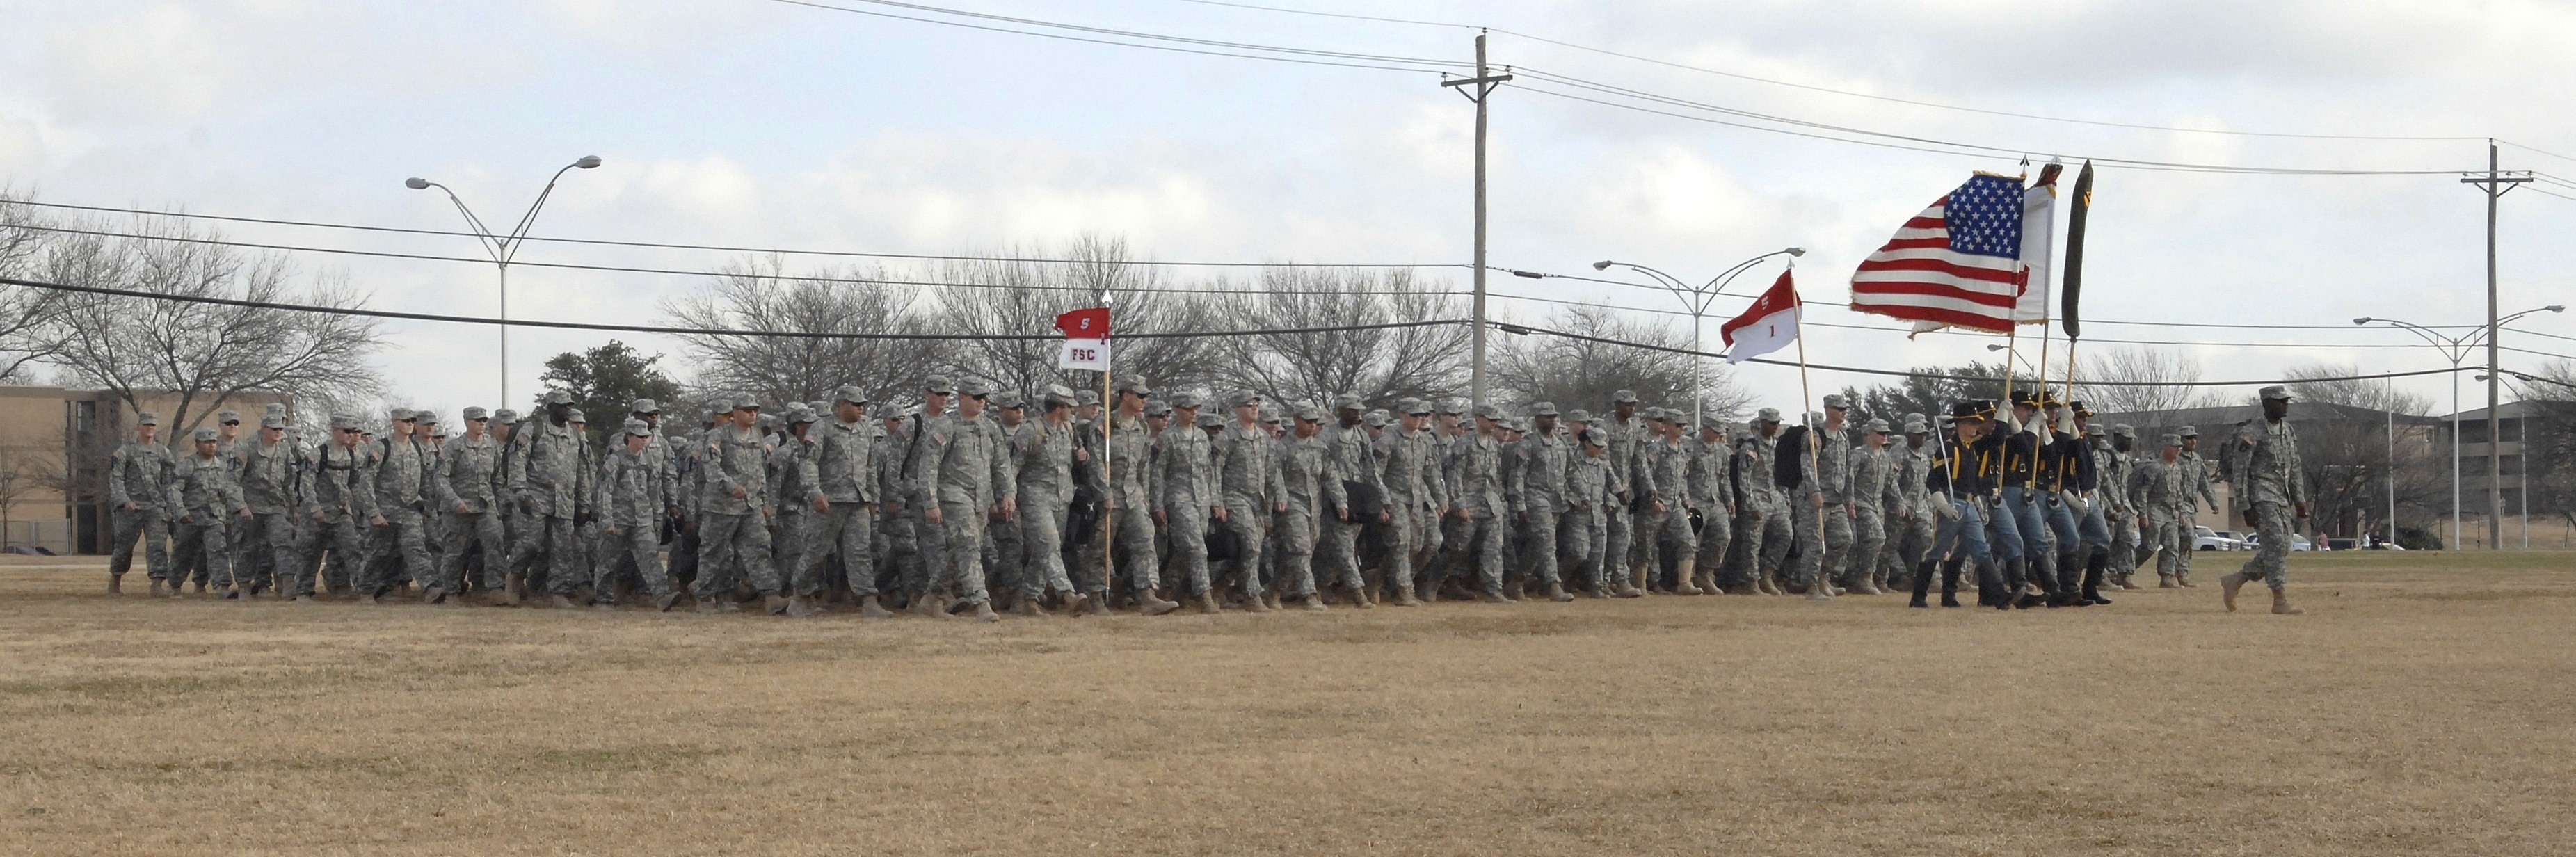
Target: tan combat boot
(1151,605)
(869,607)
(2166,581)
(1769,583)
(707,605)
(2227,587)
(2184,580)
(1257,604)
(1686,577)
(1404,596)
(1313,602)
(1360,598)
(2281,604)
(1028,607)
(1556,592)
(515,591)
(1705,578)
(1207,603)
(930,604)
(984,613)
(116,584)
(1074,603)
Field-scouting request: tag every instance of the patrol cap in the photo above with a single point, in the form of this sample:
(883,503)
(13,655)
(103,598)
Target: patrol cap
(1625,397)
(1816,418)
(227,416)
(1715,424)
(1594,438)
(1911,419)
(558,397)
(1878,426)
(799,413)
(404,415)
(2187,431)
(1577,415)
(476,413)
(1268,416)
(576,417)
(1349,403)
(344,422)
(206,434)
(766,422)
(1185,399)
(2124,430)
(437,431)
(1835,400)
(644,406)
(1060,394)
(1652,414)
(1767,415)
(2173,439)
(1209,421)
(746,403)
(1417,407)
(1245,399)
(2275,392)
(1453,405)
(1085,396)
(275,421)
(505,415)
(1007,399)
(2094,430)
(938,384)
(637,427)
(1914,424)
(1310,413)
(1136,384)
(1375,418)
(275,408)
(975,387)
(425,417)
(147,418)
(1490,411)
(1544,409)
(1157,408)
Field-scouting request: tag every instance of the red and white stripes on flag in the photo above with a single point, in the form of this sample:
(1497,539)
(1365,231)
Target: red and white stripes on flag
(1770,324)
(1968,260)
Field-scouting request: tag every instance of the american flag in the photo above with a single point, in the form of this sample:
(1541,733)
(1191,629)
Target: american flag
(1957,263)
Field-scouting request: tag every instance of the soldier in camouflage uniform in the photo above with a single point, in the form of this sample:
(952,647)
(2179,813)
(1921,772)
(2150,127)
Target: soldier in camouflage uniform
(2125,514)
(271,479)
(1130,504)
(1312,490)
(553,492)
(2276,494)
(957,479)
(1186,479)
(466,487)
(1413,489)
(1354,456)
(1476,501)
(1712,481)
(1914,520)
(431,440)
(338,498)
(1584,503)
(1005,555)
(401,475)
(734,513)
(1765,530)
(1872,492)
(201,497)
(795,494)
(632,508)
(1042,451)
(1822,553)
(1661,486)
(2197,473)
(1626,430)
(845,463)
(228,441)
(2157,486)
(138,478)
(898,556)
(1243,463)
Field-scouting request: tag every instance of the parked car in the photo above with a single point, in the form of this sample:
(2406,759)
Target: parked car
(2297,543)
(2206,539)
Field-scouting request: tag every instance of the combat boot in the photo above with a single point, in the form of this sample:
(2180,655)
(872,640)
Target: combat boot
(515,591)
(2093,580)
(1271,598)
(2227,587)
(1862,585)
(1028,607)
(1404,596)
(1621,587)
(1075,604)
(1492,597)
(116,584)
(662,603)
(1255,604)
(1704,577)
(1820,590)
(930,604)
(2166,581)
(1207,603)
(1150,605)
(800,606)
(2184,580)
(1769,583)
(707,605)
(1685,573)
(1556,592)
(1514,591)
(2281,604)
(1313,602)
(983,612)
(869,607)
(560,601)
(1360,598)
(198,588)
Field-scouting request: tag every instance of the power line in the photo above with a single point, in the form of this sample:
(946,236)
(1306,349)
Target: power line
(2538,150)
(1923,144)
(1369,61)
(714,247)
(676,331)
(665,271)
(1808,323)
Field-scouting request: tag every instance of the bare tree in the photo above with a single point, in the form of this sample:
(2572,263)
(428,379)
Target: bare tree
(200,353)
(756,295)
(1375,364)
(2358,393)
(2549,450)
(2162,369)
(1574,373)
(25,467)
(30,330)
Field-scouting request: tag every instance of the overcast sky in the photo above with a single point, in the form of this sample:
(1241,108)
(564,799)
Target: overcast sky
(752,122)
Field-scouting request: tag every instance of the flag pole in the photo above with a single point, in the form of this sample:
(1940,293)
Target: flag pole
(1815,443)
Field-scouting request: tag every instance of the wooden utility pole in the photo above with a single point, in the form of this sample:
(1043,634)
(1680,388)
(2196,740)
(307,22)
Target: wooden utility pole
(1482,85)
(2494,184)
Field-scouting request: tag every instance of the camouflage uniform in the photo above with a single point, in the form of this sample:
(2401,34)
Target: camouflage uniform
(2116,465)
(845,462)
(1313,491)
(2195,477)
(898,549)
(401,475)
(961,467)
(733,532)
(1245,464)
(1413,492)
(632,502)
(1540,500)
(1621,553)
(469,476)
(1712,480)
(202,495)
(1476,502)
(2158,489)
(139,474)
(2274,487)
(1129,451)
(1873,492)
(271,480)
(794,483)
(1184,474)
(1822,553)
(554,491)
(1913,519)
(1584,507)
(1765,530)
(1043,464)
(341,496)
(1355,457)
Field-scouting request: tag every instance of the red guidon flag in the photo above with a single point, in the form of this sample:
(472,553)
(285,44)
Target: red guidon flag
(1768,325)
(1088,323)
(1086,339)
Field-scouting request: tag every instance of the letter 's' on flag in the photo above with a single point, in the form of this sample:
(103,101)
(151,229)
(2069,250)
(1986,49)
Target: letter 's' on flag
(1086,339)
(1770,324)
(2075,252)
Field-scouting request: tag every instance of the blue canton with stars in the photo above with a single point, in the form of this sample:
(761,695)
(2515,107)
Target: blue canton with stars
(1985,217)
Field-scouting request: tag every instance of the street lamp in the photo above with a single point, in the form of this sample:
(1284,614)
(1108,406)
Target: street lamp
(1697,300)
(504,248)
(2457,348)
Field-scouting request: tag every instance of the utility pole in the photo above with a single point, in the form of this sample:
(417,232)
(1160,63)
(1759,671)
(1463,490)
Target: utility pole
(1483,84)
(2495,185)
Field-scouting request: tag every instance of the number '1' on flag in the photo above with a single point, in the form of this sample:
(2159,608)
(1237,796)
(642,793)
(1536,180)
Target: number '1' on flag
(1769,325)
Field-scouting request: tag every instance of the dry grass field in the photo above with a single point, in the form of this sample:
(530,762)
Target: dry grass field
(2426,705)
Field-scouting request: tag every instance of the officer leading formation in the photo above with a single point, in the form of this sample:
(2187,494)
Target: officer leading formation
(976,501)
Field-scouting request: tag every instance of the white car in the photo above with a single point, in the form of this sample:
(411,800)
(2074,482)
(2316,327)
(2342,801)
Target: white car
(2206,539)
(2297,543)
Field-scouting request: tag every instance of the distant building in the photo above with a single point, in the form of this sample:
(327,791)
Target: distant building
(54,444)
(2410,435)
(2474,477)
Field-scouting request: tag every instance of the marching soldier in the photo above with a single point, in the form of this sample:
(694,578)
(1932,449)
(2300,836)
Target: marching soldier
(1244,461)
(271,481)
(138,481)
(2197,473)
(1183,474)
(552,489)
(733,532)
(400,474)
(633,509)
(201,497)
(228,441)
(1312,491)
(468,487)
(2276,496)
(1476,501)
(1584,502)
(1873,491)
(1130,501)
(1410,482)
(1354,455)
(1712,484)
(2127,517)
(845,465)
(2158,486)
(1043,452)
(1625,431)
(956,479)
